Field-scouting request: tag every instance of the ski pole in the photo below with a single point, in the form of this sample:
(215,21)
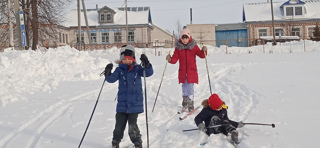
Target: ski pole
(145,93)
(212,126)
(273,126)
(205,56)
(165,67)
(85,132)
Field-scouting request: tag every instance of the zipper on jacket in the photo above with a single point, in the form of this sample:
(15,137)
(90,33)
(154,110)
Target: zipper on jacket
(125,81)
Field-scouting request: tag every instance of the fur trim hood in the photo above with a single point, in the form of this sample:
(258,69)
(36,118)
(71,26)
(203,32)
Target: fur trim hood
(192,43)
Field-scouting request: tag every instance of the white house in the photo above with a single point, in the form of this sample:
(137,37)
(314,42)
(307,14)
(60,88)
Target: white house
(291,18)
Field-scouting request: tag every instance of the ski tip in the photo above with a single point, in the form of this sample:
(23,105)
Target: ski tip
(180,118)
(178,113)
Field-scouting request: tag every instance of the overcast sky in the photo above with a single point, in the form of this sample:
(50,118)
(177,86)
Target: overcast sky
(166,13)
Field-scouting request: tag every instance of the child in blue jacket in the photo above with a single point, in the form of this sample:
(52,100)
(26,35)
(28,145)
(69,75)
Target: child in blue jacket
(130,94)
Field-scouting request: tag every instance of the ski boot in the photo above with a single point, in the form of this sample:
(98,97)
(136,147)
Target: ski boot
(137,144)
(190,105)
(234,137)
(115,144)
(184,101)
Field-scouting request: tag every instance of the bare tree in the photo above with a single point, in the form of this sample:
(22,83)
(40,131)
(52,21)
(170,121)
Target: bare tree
(43,19)
(179,28)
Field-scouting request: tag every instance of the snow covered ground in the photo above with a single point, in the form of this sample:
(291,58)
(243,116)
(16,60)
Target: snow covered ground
(47,97)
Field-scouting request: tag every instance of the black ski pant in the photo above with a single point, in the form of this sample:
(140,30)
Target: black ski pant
(215,120)
(121,122)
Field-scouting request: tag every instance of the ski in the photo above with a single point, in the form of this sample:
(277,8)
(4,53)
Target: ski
(191,112)
(183,110)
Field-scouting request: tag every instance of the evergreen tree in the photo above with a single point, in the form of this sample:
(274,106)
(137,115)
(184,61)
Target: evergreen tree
(316,32)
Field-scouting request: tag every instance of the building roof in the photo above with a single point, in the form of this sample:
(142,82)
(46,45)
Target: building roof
(254,12)
(136,15)
(235,26)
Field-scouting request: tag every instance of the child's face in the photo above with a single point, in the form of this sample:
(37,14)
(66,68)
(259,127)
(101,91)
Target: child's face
(185,40)
(127,61)
(219,108)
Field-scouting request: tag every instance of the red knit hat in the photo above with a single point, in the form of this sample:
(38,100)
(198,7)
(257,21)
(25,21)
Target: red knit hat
(215,101)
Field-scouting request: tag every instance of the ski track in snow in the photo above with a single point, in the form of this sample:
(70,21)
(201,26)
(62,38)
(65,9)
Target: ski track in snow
(239,99)
(48,117)
(163,122)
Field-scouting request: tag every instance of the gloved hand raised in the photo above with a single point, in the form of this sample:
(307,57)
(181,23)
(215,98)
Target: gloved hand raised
(168,58)
(107,70)
(204,48)
(240,124)
(202,127)
(145,61)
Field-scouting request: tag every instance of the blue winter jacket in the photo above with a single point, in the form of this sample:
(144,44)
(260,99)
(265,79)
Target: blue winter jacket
(130,95)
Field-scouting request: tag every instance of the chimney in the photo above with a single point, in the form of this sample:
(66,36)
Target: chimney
(97,7)
(190,16)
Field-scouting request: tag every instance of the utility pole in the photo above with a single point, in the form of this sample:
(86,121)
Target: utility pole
(274,38)
(127,28)
(190,16)
(79,26)
(18,31)
(11,43)
(87,24)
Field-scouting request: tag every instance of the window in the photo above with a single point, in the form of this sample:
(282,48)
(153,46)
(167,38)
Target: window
(105,37)
(166,41)
(262,32)
(63,40)
(295,32)
(298,10)
(289,11)
(60,38)
(278,32)
(93,37)
(131,36)
(108,17)
(294,11)
(117,37)
(102,17)
(310,31)
(82,37)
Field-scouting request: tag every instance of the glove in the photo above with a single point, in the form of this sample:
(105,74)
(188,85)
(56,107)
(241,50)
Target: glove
(145,61)
(240,124)
(202,127)
(107,70)
(204,48)
(168,58)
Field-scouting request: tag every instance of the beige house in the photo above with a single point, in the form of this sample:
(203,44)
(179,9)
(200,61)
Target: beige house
(203,33)
(108,28)
(161,38)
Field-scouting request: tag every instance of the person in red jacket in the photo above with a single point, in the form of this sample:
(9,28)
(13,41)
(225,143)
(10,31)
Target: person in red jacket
(185,52)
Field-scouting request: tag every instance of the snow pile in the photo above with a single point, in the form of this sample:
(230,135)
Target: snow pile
(47,97)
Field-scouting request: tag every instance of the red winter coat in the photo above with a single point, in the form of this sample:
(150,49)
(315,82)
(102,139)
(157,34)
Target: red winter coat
(186,54)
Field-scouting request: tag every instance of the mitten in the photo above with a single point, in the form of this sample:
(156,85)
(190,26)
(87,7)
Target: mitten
(204,48)
(202,127)
(168,58)
(145,61)
(240,124)
(107,70)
